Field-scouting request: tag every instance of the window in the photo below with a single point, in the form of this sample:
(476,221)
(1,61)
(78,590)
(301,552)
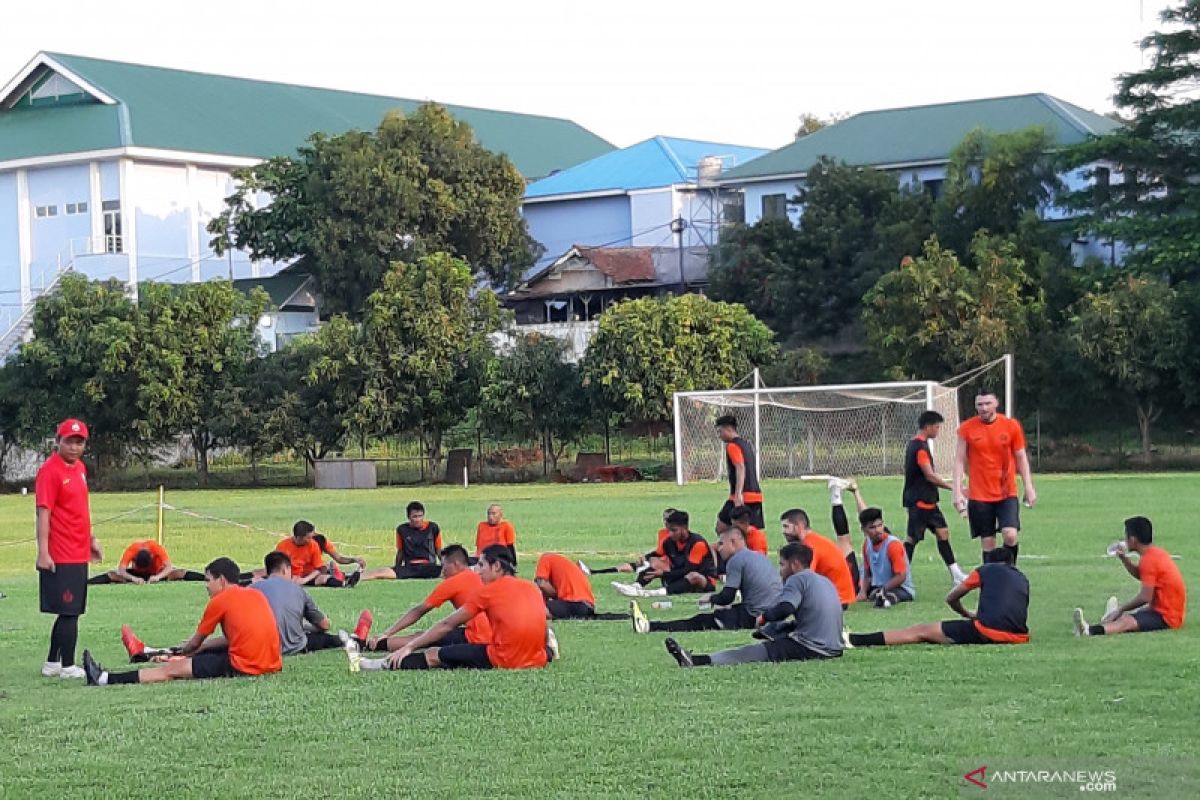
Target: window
(77,208)
(45,211)
(733,209)
(112,226)
(1102,180)
(933,188)
(774,206)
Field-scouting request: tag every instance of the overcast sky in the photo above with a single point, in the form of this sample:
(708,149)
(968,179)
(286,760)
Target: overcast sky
(735,72)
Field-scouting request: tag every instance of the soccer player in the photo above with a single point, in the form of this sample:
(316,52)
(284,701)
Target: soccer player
(459,582)
(755,538)
(1160,603)
(741,463)
(515,611)
(887,576)
(496,530)
(683,562)
(920,495)
(992,446)
(747,571)
(999,618)
(64,545)
(418,542)
(250,645)
(336,558)
(566,590)
(827,558)
(292,607)
(841,523)
(815,633)
(146,562)
(640,565)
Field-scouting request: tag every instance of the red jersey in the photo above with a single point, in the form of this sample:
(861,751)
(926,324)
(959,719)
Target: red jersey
(62,489)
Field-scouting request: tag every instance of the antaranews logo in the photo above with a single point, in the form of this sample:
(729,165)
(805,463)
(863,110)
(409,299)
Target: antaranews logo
(1084,780)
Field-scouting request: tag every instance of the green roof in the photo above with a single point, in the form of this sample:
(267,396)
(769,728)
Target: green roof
(196,112)
(279,288)
(924,133)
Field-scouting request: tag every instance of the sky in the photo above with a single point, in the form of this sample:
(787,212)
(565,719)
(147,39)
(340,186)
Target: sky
(732,72)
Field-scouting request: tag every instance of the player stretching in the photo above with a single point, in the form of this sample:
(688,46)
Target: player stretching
(1162,600)
(999,618)
(827,558)
(741,463)
(920,496)
(145,562)
(418,543)
(887,575)
(496,530)
(992,447)
(683,561)
(566,590)
(640,565)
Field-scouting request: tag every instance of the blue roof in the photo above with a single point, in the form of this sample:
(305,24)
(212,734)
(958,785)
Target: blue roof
(661,161)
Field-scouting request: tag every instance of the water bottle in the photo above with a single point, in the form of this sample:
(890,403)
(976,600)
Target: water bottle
(661,604)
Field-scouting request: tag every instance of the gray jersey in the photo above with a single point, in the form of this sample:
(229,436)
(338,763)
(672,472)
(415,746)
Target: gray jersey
(756,577)
(291,606)
(818,612)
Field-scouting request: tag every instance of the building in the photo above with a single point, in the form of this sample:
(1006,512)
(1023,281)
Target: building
(293,309)
(115,169)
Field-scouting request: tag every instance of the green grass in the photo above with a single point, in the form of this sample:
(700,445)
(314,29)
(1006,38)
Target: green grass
(614,717)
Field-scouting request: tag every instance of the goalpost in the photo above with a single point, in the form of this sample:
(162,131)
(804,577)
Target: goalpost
(845,429)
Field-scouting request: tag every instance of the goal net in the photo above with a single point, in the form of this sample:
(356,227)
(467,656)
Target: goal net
(849,429)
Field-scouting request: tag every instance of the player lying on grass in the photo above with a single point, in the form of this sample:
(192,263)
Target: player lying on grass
(514,609)
(746,571)
(250,645)
(496,530)
(683,562)
(418,542)
(887,576)
(1160,603)
(307,558)
(566,590)
(336,559)
(999,618)
(920,494)
(640,565)
(841,524)
(827,558)
(815,631)
(146,561)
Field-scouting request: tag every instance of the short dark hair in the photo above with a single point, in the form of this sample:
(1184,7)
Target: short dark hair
(224,567)
(869,515)
(303,528)
(929,418)
(276,561)
(413,506)
(796,516)
(727,421)
(678,518)
(1001,555)
(455,552)
(795,551)
(499,554)
(739,512)
(987,390)
(1139,528)
(143,558)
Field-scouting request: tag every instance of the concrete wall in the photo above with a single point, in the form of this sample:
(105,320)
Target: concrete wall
(558,225)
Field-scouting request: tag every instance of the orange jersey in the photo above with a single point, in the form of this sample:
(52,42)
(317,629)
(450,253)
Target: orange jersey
(991,457)
(456,591)
(756,540)
(249,625)
(1159,572)
(158,557)
(487,535)
(517,614)
(828,560)
(568,580)
(305,558)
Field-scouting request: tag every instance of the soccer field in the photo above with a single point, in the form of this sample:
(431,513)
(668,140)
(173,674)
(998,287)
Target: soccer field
(615,717)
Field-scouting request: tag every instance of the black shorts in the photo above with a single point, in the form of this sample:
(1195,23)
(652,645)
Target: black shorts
(64,591)
(924,519)
(465,656)
(788,649)
(755,509)
(455,637)
(213,664)
(417,571)
(987,519)
(736,617)
(963,631)
(572,609)
(1150,620)
(681,586)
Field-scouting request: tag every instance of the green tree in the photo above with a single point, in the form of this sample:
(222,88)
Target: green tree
(350,205)
(811,123)
(12,431)
(1133,333)
(647,349)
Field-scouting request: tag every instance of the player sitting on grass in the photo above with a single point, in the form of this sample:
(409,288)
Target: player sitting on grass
(683,561)
(146,562)
(887,576)
(1162,600)
(459,582)
(418,542)
(841,524)
(998,619)
(496,530)
(747,571)
(827,558)
(566,590)
(307,558)
(642,564)
(336,558)
(815,633)
(755,539)
(250,645)
(514,610)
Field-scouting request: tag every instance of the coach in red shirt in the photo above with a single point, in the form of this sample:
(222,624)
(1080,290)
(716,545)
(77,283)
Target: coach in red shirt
(64,545)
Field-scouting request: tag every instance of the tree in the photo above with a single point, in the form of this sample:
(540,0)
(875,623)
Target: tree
(12,432)
(811,123)
(645,350)
(426,334)
(935,316)
(531,391)
(350,205)
(1154,207)
(1134,334)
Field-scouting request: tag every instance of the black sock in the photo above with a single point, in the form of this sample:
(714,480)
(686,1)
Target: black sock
(1014,549)
(133,676)
(414,661)
(700,622)
(702,661)
(852,560)
(192,575)
(1096,630)
(867,639)
(946,551)
(909,547)
(841,525)
(99,580)
(600,617)
(63,637)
